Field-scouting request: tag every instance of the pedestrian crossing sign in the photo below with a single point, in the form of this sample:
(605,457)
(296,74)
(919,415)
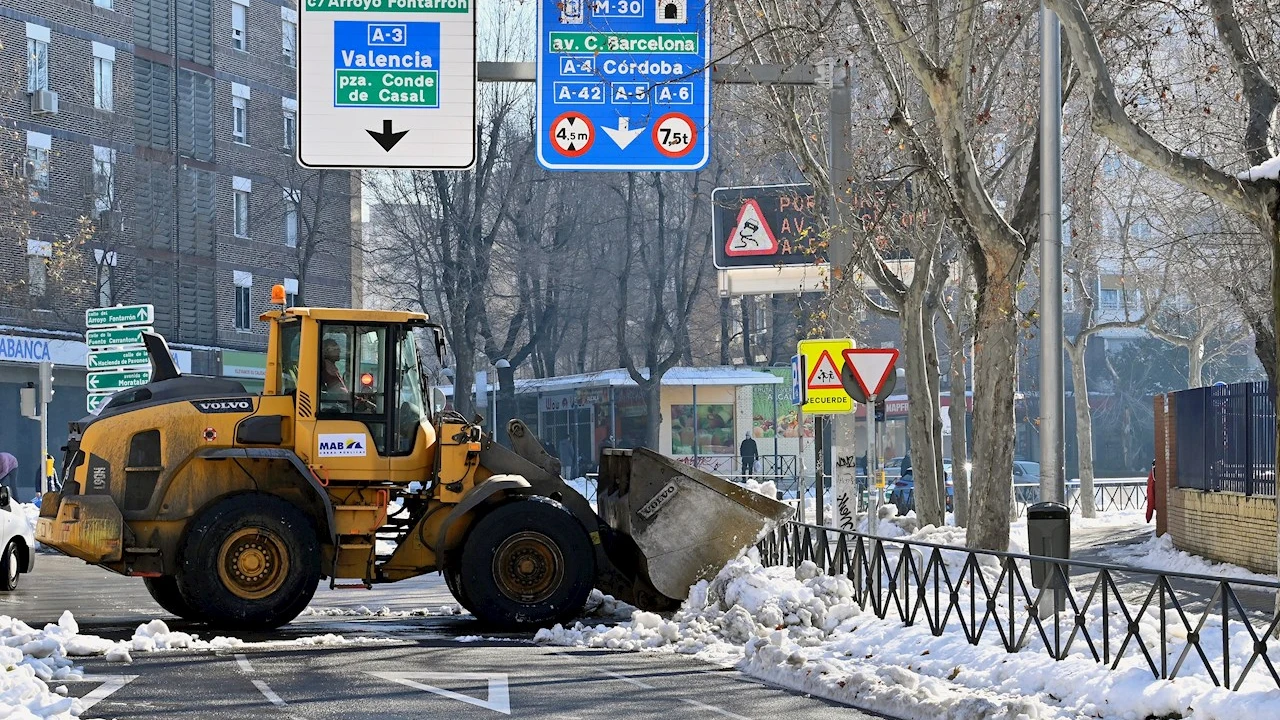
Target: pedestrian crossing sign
(825,395)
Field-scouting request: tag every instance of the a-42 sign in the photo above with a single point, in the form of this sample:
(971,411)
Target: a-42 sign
(623,84)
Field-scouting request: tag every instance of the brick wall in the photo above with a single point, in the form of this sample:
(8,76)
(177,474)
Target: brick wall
(1226,527)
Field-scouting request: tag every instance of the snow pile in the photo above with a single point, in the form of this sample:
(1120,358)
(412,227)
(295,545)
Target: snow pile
(30,658)
(768,488)
(382,612)
(28,512)
(1159,553)
(803,630)
(1268,170)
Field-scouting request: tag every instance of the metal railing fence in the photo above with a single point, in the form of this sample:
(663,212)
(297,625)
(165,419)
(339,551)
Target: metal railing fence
(1171,621)
(1109,495)
(1226,438)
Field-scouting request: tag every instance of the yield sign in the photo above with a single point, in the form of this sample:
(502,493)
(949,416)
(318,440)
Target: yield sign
(871,367)
(825,376)
(751,234)
(499,696)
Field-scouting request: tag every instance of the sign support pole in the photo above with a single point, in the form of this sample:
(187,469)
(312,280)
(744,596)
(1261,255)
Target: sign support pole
(844,434)
(1052,411)
(819,426)
(875,483)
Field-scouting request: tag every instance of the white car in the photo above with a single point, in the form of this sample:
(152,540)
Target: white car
(19,542)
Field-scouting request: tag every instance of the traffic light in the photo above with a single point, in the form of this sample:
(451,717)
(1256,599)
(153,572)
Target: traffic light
(46,382)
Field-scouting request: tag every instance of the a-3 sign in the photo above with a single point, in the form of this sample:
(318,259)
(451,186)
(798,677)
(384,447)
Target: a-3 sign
(387,83)
(823,360)
(623,84)
(119,316)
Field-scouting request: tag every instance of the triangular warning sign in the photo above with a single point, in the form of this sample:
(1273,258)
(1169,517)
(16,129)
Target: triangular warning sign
(751,235)
(824,375)
(871,367)
(499,695)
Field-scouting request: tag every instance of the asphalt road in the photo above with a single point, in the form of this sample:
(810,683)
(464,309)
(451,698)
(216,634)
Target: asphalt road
(397,667)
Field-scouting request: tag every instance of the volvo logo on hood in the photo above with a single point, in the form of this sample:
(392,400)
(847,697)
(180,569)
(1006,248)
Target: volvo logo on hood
(225,405)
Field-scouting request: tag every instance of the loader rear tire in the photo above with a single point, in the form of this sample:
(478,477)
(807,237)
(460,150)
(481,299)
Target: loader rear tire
(164,590)
(527,563)
(251,561)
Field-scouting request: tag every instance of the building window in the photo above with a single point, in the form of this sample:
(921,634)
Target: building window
(290,292)
(104,179)
(37,57)
(289,107)
(290,219)
(244,309)
(240,120)
(241,188)
(106,261)
(238,12)
(37,170)
(1109,299)
(108,4)
(38,254)
(289,38)
(104,61)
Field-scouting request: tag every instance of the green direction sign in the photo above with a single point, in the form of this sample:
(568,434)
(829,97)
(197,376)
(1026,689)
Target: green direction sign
(121,315)
(109,359)
(387,88)
(113,380)
(115,338)
(95,401)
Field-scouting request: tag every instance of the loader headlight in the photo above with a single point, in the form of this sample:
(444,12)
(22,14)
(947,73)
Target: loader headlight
(366,380)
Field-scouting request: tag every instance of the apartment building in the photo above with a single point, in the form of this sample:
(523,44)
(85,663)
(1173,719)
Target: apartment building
(148,157)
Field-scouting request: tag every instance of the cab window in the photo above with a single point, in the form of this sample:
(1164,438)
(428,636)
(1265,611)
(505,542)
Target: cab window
(352,373)
(290,346)
(409,409)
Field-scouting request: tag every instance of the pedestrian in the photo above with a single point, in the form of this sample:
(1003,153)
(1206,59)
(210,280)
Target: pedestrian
(568,456)
(749,453)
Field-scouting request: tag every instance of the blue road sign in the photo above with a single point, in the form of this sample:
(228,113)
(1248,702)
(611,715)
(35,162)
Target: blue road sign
(624,84)
(386,64)
(797,380)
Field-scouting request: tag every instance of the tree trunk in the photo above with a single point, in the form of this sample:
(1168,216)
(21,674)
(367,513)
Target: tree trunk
(653,408)
(1195,362)
(959,433)
(726,318)
(1084,425)
(463,375)
(745,303)
(921,414)
(995,365)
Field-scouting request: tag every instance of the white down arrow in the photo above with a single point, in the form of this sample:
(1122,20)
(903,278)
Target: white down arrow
(623,134)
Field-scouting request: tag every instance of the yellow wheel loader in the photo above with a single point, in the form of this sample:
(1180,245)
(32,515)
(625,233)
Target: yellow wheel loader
(233,506)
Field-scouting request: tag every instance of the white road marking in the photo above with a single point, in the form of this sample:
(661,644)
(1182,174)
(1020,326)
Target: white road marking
(243,662)
(499,694)
(627,680)
(713,708)
(268,693)
(110,684)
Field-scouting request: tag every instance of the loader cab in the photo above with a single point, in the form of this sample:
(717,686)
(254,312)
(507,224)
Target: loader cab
(361,407)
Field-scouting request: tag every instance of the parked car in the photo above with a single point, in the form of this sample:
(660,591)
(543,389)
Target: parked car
(19,542)
(893,468)
(1026,481)
(903,494)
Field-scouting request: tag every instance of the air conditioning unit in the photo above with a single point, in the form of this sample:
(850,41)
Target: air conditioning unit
(44,102)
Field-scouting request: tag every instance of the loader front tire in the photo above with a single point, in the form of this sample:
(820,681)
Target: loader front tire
(251,561)
(527,563)
(164,590)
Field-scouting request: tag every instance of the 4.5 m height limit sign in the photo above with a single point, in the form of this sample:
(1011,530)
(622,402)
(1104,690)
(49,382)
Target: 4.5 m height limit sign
(387,84)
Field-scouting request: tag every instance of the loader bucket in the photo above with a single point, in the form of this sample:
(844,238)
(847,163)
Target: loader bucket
(686,523)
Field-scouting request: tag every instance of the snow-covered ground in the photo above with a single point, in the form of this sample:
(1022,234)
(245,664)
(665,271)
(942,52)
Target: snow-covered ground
(801,629)
(1158,553)
(34,662)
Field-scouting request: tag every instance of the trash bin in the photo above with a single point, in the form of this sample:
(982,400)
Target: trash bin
(1048,535)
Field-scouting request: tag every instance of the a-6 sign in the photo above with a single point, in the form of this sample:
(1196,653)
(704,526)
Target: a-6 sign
(119,316)
(113,380)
